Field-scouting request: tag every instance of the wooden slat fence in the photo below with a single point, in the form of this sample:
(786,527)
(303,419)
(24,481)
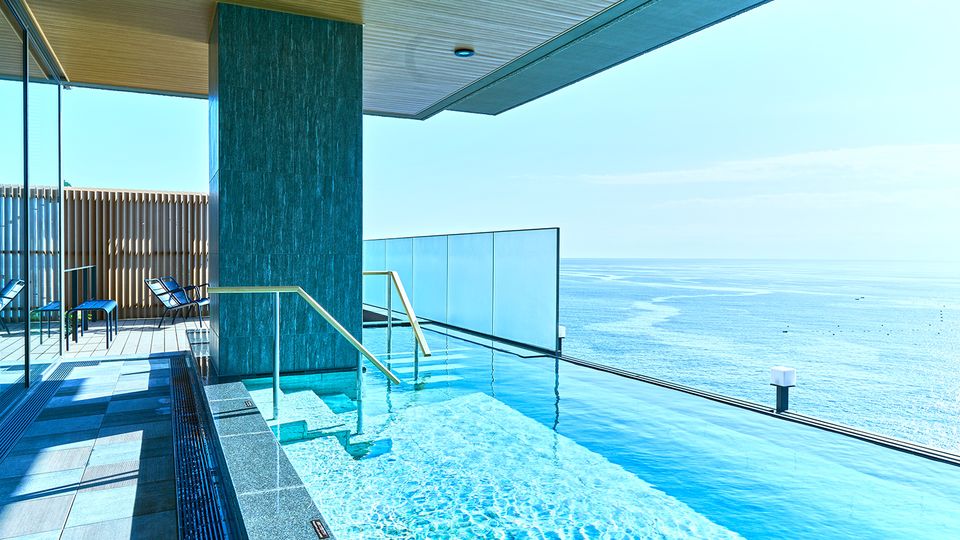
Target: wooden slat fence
(128,235)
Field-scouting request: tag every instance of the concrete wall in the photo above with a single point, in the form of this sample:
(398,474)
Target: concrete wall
(285,186)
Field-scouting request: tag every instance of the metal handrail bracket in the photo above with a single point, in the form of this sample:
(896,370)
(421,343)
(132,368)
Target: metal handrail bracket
(405,300)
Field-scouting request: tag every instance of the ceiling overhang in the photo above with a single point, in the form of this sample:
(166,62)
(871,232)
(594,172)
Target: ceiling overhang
(524,50)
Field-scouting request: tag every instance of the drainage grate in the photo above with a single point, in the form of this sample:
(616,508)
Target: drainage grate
(21,416)
(201,505)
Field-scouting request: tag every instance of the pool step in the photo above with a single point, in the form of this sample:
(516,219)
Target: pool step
(339,403)
(367,445)
(304,415)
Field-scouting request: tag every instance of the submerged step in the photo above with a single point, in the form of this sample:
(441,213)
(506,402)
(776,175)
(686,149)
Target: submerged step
(339,403)
(306,415)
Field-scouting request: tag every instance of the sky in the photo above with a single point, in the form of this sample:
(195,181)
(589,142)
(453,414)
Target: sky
(804,129)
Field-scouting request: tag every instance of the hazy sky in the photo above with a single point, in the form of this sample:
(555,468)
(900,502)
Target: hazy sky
(802,129)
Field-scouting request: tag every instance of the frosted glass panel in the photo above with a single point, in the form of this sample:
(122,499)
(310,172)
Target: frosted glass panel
(374,288)
(428,291)
(400,260)
(470,282)
(502,284)
(525,286)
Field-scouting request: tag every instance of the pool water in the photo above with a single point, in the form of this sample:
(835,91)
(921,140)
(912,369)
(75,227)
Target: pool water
(494,445)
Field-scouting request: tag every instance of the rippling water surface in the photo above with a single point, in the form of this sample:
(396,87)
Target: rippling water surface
(491,445)
(876,344)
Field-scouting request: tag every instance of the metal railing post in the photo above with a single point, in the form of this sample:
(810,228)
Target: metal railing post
(276,358)
(416,360)
(393,282)
(359,394)
(389,315)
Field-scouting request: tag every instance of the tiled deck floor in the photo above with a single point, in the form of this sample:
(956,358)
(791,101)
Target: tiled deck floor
(136,336)
(98,461)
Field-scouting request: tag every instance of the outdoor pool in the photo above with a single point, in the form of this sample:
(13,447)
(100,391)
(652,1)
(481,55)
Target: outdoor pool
(494,445)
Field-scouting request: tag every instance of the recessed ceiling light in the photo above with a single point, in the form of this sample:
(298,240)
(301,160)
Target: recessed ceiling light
(464,52)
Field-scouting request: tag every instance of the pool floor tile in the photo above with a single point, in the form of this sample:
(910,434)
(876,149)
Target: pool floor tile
(64,425)
(44,462)
(77,410)
(69,401)
(34,486)
(58,441)
(49,535)
(102,505)
(98,461)
(155,526)
(34,515)
(139,404)
(134,417)
(128,473)
(151,430)
(106,454)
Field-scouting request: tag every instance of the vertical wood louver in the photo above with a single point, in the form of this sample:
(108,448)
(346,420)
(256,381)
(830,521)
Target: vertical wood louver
(128,235)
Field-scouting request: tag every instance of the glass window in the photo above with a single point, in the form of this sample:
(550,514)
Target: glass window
(43,177)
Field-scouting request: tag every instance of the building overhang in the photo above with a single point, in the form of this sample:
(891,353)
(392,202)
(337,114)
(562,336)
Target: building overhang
(524,50)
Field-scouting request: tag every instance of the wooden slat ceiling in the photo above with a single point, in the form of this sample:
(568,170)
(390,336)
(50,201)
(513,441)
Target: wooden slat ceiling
(161,45)
(11,53)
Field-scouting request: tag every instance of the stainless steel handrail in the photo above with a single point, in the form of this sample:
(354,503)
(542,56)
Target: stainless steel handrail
(414,323)
(276,290)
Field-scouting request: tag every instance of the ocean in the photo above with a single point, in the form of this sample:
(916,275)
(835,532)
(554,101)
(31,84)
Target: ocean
(876,345)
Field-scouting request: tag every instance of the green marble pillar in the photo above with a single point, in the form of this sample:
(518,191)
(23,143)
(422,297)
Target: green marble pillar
(285,186)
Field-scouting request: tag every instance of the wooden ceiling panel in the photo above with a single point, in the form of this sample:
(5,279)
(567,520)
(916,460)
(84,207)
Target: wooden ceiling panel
(11,53)
(161,45)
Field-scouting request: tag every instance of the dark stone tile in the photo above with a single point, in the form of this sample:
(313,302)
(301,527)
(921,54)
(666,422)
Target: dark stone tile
(155,497)
(313,158)
(236,417)
(283,514)
(218,392)
(256,462)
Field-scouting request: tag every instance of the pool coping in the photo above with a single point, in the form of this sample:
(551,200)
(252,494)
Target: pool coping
(268,498)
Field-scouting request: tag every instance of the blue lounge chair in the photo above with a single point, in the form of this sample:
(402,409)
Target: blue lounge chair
(9,292)
(175,298)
